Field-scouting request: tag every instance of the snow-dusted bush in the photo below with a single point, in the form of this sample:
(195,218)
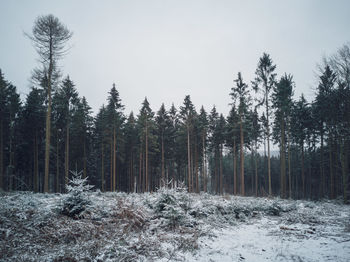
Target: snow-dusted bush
(77,202)
(173,205)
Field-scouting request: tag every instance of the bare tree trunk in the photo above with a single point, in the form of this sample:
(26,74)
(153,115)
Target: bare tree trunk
(140,171)
(302,168)
(268,145)
(256,169)
(344,156)
(204,164)
(323,182)
(1,154)
(331,167)
(234,168)
(289,168)
(242,157)
(163,169)
(188,159)
(147,186)
(66,162)
(283,162)
(48,124)
(102,168)
(196,167)
(221,172)
(85,157)
(57,163)
(114,160)
(111,166)
(36,162)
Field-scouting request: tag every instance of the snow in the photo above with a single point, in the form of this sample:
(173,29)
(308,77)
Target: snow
(172,225)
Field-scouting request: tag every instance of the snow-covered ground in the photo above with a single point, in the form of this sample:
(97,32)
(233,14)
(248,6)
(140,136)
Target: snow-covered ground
(172,225)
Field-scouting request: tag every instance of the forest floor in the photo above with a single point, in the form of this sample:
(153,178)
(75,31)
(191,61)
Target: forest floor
(172,225)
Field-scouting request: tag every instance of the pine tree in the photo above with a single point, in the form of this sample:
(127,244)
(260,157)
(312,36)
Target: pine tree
(241,98)
(115,116)
(147,145)
(100,144)
(301,115)
(187,112)
(264,82)
(81,133)
(163,127)
(203,129)
(232,141)
(321,112)
(255,136)
(130,131)
(282,103)
(33,131)
(172,150)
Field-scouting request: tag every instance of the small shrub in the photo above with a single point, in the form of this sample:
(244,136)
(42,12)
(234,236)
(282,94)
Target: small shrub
(77,201)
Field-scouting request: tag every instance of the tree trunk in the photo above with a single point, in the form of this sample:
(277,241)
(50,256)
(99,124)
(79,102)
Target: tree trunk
(114,160)
(283,162)
(323,180)
(196,167)
(102,168)
(147,186)
(84,158)
(140,172)
(204,164)
(344,157)
(48,123)
(66,159)
(57,163)
(163,182)
(242,157)
(234,168)
(331,167)
(268,144)
(289,168)
(111,166)
(36,163)
(1,154)
(188,159)
(302,169)
(221,172)
(256,168)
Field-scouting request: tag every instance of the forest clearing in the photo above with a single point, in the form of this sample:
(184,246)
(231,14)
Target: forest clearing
(172,225)
(179,130)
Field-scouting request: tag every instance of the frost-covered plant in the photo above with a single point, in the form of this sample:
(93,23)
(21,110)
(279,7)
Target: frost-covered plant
(77,201)
(173,205)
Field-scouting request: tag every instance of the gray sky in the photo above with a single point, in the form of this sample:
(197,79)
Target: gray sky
(167,49)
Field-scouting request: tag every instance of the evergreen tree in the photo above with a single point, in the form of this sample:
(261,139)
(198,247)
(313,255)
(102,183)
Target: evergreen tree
(115,121)
(232,141)
(255,137)
(322,114)
(147,147)
(300,120)
(282,103)
(82,123)
(241,98)
(203,129)
(264,82)
(187,113)
(130,131)
(163,126)
(32,129)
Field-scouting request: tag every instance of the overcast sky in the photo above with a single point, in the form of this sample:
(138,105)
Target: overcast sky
(167,49)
